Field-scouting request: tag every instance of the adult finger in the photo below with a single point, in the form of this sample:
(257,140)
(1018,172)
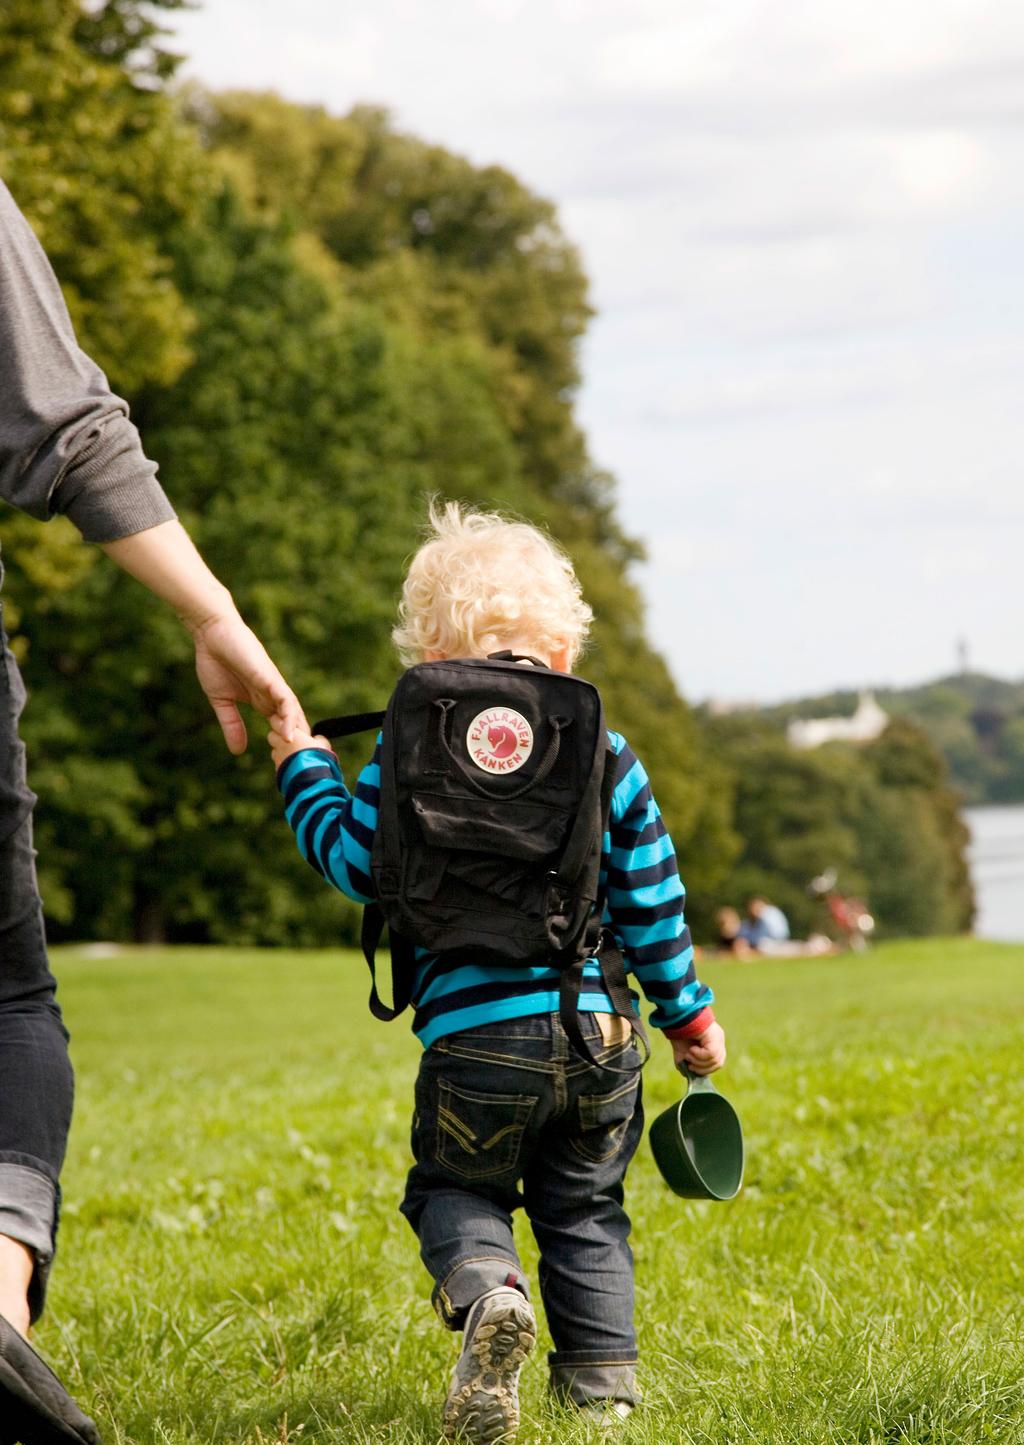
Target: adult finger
(291,715)
(276,701)
(231,724)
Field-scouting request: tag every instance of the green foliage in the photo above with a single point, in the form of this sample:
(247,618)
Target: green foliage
(339,321)
(234,1271)
(908,765)
(130,34)
(902,853)
(320,321)
(975,722)
(881,816)
(446,248)
(102,169)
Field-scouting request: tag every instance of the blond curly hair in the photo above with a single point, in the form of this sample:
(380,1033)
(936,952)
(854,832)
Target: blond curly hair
(481,582)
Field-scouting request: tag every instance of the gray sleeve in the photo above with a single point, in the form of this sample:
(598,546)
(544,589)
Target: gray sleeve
(66,444)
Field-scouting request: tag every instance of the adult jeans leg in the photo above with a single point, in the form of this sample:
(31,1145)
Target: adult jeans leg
(36,1082)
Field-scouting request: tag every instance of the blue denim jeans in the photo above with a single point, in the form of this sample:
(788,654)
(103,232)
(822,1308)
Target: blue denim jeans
(36,1083)
(506,1115)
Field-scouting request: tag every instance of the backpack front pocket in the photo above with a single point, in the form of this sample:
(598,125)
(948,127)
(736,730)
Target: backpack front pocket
(480,1135)
(533,832)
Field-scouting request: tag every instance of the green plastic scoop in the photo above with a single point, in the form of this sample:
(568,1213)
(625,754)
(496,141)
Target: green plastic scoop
(698,1143)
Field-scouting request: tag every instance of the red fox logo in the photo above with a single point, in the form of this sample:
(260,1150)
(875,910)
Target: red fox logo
(503,741)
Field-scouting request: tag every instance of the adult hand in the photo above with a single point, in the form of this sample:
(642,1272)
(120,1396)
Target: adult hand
(233,667)
(281,748)
(232,663)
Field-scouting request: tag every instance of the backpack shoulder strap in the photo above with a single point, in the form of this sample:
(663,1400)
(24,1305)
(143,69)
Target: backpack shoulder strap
(598,939)
(403,952)
(403,965)
(386,869)
(613,975)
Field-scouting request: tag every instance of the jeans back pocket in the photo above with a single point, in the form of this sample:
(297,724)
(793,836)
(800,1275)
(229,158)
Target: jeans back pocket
(480,1135)
(604,1119)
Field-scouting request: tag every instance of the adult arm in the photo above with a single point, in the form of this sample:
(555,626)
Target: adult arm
(67,446)
(232,663)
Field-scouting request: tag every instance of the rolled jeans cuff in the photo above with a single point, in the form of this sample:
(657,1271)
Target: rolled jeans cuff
(29,1208)
(580,1378)
(463,1285)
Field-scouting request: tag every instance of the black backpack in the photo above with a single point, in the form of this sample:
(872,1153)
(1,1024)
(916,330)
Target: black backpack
(496,785)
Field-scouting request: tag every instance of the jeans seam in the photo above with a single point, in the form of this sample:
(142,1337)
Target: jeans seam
(595,1158)
(484,1031)
(604,1055)
(488,1056)
(29,1161)
(612,1095)
(442,1285)
(558,1363)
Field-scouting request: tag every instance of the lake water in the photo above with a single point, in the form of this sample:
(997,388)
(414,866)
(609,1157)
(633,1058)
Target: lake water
(997,866)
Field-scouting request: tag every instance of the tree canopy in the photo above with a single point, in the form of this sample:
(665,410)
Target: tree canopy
(338,321)
(975,721)
(319,322)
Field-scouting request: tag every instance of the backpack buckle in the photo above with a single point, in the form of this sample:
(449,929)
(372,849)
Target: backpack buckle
(388,882)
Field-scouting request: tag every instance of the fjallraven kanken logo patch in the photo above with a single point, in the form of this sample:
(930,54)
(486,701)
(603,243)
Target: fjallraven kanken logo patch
(499,740)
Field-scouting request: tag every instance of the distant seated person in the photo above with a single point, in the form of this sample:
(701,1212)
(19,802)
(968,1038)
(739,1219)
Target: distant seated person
(729,936)
(766,927)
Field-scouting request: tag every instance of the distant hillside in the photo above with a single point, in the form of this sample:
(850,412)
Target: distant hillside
(976,722)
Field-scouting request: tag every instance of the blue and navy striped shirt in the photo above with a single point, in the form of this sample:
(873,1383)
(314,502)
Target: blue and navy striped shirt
(334,830)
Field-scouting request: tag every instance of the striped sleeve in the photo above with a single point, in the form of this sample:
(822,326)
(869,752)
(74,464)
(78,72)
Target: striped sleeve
(333,827)
(646,900)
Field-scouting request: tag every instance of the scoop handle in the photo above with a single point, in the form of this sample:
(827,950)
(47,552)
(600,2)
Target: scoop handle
(698,1083)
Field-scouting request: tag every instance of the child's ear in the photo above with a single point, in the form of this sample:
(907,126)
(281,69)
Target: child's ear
(560,659)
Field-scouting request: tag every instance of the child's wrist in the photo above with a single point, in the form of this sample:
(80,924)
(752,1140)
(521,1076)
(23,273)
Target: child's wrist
(284,757)
(308,747)
(693,1028)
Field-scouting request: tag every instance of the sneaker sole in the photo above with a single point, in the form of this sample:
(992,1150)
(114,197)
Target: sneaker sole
(483,1402)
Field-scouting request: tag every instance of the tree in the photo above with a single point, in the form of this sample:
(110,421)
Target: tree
(473,264)
(908,765)
(881,816)
(103,169)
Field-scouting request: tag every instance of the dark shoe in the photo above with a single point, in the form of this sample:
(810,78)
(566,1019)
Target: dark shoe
(35,1408)
(483,1400)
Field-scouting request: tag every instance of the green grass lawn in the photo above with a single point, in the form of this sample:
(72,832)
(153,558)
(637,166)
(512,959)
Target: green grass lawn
(233,1266)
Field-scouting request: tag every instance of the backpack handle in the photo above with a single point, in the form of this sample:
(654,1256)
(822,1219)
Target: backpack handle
(444,706)
(517,657)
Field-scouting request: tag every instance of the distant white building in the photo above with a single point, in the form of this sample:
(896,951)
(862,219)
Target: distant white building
(868,722)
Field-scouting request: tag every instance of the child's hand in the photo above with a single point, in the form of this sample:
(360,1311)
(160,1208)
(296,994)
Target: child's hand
(280,750)
(703,1055)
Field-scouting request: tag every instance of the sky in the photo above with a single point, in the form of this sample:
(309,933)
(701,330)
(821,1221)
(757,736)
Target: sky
(803,222)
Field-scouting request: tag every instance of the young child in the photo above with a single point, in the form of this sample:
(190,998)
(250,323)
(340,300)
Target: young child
(506,1113)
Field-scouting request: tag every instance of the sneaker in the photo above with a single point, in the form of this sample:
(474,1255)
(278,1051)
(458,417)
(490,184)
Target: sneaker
(483,1399)
(606,1414)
